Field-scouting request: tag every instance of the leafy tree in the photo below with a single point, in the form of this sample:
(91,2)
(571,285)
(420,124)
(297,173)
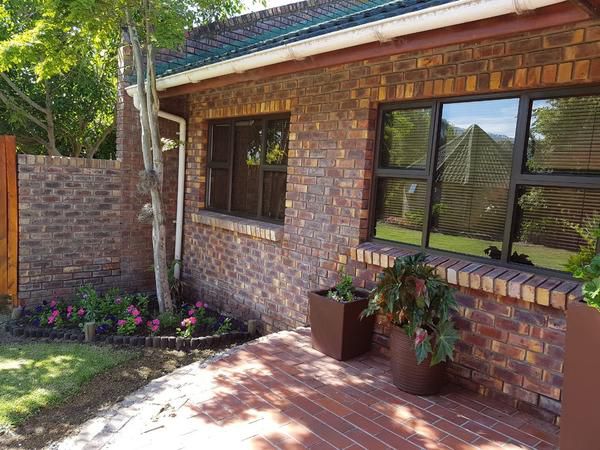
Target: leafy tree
(57,84)
(150,25)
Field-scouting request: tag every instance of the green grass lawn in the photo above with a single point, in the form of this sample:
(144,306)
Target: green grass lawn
(550,258)
(36,375)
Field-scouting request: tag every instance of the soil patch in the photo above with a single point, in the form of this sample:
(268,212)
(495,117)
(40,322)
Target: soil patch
(55,423)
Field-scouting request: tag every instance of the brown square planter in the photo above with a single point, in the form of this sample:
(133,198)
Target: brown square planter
(336,327)
(581,393)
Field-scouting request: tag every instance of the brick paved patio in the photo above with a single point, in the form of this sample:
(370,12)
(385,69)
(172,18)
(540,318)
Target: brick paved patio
(280,393)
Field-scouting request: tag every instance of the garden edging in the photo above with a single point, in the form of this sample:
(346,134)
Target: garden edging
(163,342)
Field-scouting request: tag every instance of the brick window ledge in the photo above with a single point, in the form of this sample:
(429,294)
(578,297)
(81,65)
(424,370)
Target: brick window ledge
(254,228)
(521,285)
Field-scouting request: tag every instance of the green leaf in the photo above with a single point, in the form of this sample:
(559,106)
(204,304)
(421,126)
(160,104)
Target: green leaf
(423,349)
(445,338)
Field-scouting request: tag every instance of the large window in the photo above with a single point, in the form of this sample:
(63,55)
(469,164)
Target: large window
(515,178)
(247,167)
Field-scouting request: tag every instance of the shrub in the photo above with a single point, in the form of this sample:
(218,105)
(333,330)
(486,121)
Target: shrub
(343,291)
(168,321)
(590,275)
(411,296)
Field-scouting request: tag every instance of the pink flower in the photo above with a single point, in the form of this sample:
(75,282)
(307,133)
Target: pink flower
(200,305)
(52,303)
(138,320)
(156,322)
(118,301)
(191,312)
(130,308)
(135,312)
(55,313)
(420,336)
(419,286)
(121,322)
(70,309)
(51,319)
(192,320)
(154,328)
(81,312)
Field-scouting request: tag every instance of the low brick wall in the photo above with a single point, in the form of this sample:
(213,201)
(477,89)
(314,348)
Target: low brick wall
(509,348)
(69,225)
(229,266)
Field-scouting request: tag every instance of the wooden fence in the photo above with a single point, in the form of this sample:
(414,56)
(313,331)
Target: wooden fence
(8,219)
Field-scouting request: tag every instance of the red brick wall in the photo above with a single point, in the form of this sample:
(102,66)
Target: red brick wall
(70,226)
(509,346)
(509,349)
(78,217)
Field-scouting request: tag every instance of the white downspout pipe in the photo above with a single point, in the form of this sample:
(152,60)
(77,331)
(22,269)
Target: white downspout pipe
(180,188)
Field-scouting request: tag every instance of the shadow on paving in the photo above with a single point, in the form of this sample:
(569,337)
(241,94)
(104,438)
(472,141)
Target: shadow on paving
(280,393)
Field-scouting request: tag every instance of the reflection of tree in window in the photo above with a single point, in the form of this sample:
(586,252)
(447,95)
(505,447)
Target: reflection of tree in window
(277,142)
(253,149)
(405,138)
(565,136)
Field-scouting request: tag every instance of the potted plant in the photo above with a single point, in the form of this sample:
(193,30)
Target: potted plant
(418,305)
(336,327)
(580,396)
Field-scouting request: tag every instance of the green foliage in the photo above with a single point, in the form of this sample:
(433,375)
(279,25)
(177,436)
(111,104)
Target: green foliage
(58,82)
(168,321)
(590,275)
(343,291)
(411,296)
(589,232)
(225,327)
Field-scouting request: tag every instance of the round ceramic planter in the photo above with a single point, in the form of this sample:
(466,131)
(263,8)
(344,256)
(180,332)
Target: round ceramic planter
(418,379)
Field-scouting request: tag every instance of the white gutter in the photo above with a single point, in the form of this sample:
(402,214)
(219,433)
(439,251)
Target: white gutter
(180,188)
(454,13)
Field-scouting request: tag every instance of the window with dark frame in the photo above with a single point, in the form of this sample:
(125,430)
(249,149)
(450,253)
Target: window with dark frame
(247,167)
(513,178)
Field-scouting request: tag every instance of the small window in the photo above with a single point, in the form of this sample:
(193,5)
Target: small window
(553,224)
(248,166)
(405,138)
(564,136)
(400,210)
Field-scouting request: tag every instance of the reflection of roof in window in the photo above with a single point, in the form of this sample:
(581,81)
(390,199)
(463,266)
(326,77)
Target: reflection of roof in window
(476,159)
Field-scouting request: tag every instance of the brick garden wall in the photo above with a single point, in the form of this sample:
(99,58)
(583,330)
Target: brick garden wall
(78,218)
(511,347)
(70,225)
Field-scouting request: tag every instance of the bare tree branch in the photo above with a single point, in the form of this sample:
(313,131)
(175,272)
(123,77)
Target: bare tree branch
(94,148)
(22,94)
(12,104)
(50,121)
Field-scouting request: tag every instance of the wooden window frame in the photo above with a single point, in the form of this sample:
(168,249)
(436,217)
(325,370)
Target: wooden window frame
(263,167)
(519,176)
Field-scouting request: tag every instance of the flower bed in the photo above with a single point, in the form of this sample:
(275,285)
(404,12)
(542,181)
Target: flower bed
(128,320)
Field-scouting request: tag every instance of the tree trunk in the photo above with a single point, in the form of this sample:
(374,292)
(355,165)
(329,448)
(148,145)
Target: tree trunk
(152,163)
(52,151)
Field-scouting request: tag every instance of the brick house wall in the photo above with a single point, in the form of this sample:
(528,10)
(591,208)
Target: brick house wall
(512,340)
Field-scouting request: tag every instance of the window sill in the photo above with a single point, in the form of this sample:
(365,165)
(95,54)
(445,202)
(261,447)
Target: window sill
(521,285)
(254,228)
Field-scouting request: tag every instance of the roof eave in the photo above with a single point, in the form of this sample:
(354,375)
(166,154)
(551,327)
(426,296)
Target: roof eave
(449,14)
